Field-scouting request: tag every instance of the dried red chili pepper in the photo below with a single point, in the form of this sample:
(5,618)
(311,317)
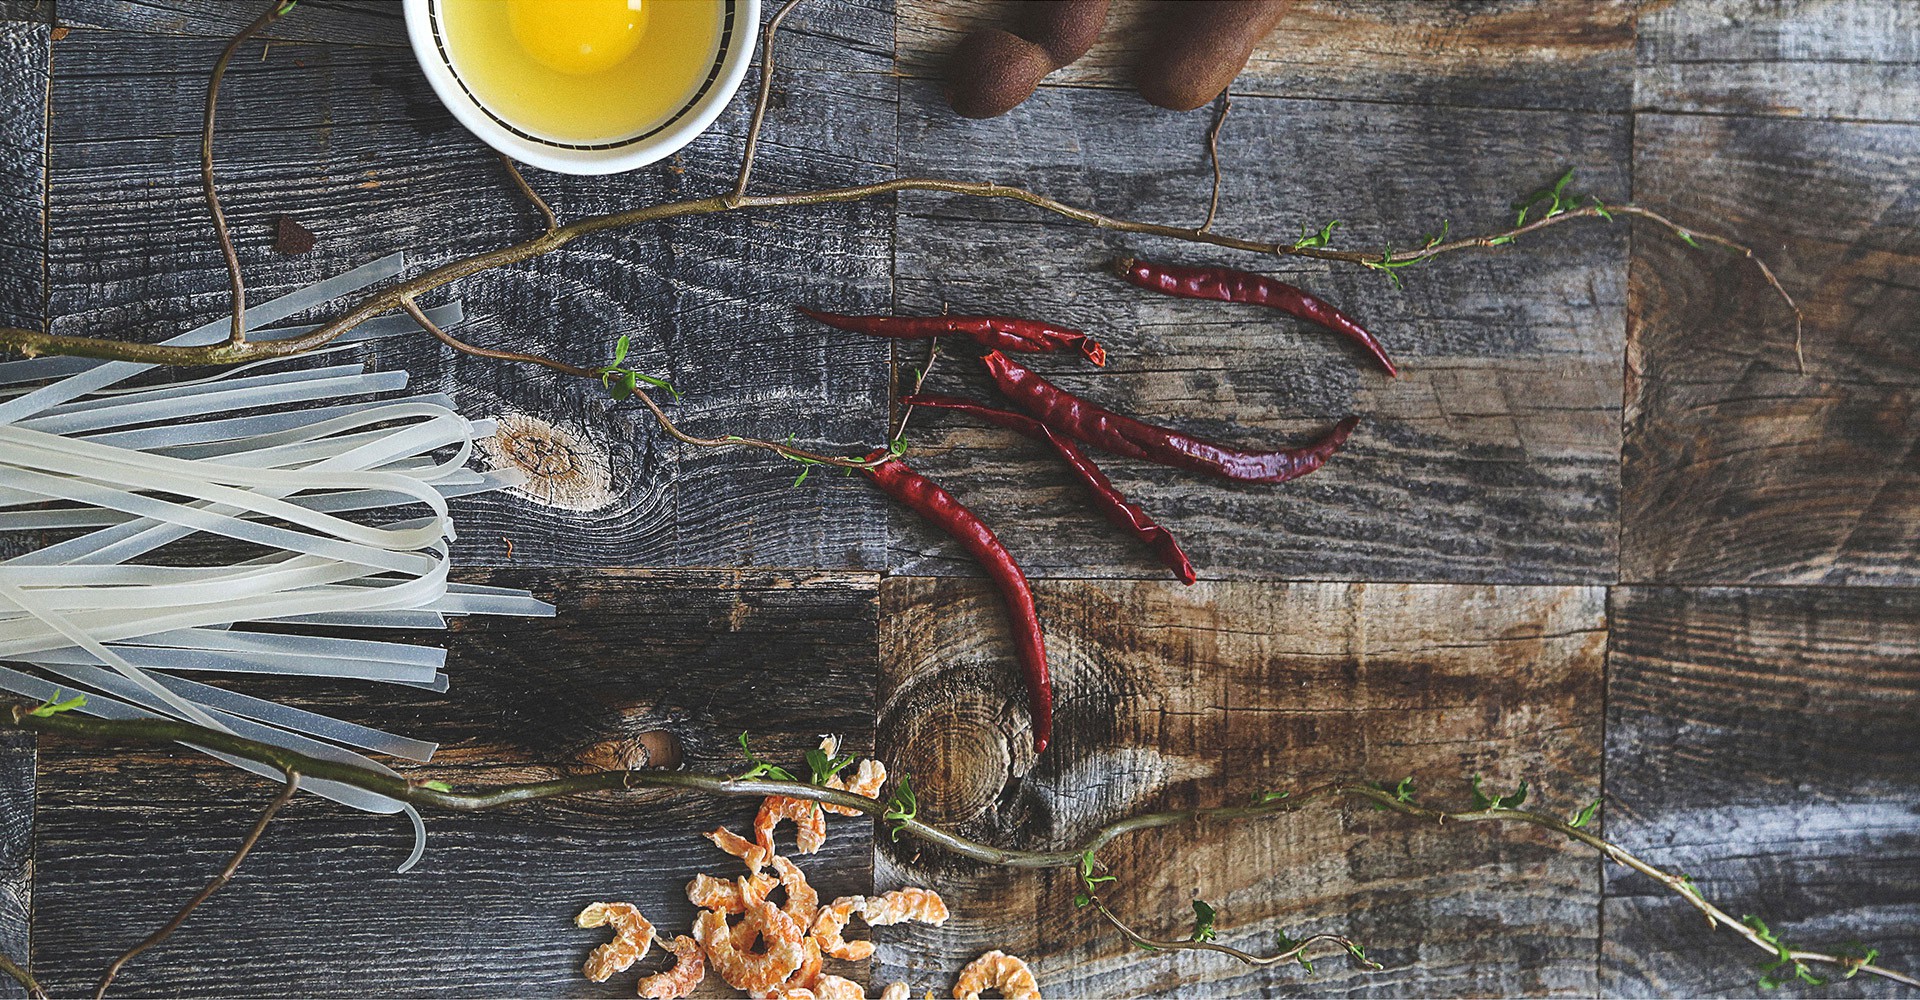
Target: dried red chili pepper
(1229,285)
(1095,425)
(995,333)
(923,496)
(1112,503)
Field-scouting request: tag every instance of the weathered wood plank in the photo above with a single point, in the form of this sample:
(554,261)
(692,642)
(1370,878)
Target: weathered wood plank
(1493,458)
(1798,58)
(1765,742)
(1567,54)
(342,22)
(700,656)
(1172,697)
(1738,468)
(16,853)
(23,133)
(371,163)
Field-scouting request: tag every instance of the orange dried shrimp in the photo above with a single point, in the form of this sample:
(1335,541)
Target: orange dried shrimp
(802,900)
(921,905)
(709,893)
(742,968)
(632,935)
(866,781)
(896,991)
(812,823)
(836,988)
(832,921)
(803,978)
(689,968)
(996,970)
(740,847)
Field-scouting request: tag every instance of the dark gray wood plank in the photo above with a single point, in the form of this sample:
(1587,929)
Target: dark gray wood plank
(348,22)
(1493,458)
(1570,54)
(1856,60)
(318,911)
(24,61)
(1738,468)
(23,131)
(350,141)
(1172,698)
(16,853)
(1765,742)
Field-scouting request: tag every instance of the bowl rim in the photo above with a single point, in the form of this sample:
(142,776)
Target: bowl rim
(740,30)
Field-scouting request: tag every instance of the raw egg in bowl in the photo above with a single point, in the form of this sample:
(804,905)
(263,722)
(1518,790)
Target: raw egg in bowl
(584,86)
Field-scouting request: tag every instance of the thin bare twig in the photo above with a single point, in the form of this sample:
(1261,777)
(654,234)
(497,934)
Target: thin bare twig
(1213,153)
(520,181)
(412,309)
(1289,956)
(760,102)
(919,379)
(666,423)
(161,732)
(238,335)
(20,975)
(220,880)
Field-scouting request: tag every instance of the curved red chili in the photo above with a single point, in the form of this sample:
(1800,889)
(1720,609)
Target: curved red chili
(923,496)
(1229,285)
(1112,503)
(1095,425)
(995,333)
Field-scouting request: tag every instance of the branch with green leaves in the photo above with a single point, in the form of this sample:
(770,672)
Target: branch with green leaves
(899,812)
(1560,206)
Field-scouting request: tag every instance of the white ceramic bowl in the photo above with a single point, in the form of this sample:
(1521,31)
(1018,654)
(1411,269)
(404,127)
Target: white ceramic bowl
(739,27)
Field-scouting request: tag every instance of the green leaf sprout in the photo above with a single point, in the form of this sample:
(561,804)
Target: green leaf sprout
(759,767)
(1483,801)
(54,706)
(1310,240)
(1203,916)
(902,806)
(620,382)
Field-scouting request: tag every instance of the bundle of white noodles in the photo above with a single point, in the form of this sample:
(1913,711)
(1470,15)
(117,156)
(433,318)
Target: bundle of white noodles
(133,470)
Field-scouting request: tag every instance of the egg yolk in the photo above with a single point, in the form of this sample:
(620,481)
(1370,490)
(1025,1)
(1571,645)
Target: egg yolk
(578,37)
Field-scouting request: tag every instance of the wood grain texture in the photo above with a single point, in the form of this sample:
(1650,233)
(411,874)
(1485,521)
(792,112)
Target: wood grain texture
(1494,458)
(1763,742)
(1738,468)
(371,163)
(16,853)
(318,910)
(336,22)
(1172,697)
(1569,54)
(1856,60)
(23,129)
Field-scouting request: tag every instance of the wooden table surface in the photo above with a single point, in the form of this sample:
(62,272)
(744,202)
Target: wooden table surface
(1605,535)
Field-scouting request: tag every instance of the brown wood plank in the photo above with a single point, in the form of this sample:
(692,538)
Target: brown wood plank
(369,161)
(1495,457)
(1571,54)
(319,911)
(1856,60)
(1765,742)
(1172,697)
(1738,468)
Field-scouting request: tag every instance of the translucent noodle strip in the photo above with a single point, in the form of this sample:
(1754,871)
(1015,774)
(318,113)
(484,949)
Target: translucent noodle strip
(311,646)
(229,662)
(234,428)
(103,374)
(218,398)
